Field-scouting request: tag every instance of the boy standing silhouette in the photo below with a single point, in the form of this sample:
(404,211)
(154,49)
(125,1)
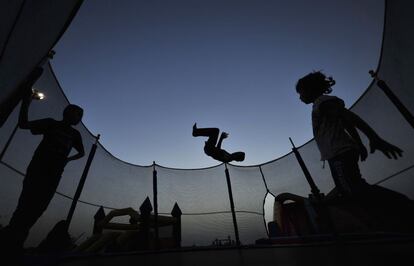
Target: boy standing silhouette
(46,167)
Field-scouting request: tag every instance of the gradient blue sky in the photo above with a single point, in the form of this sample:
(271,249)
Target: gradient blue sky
(145,71)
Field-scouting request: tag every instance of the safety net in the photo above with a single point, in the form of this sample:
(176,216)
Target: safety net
(201,194)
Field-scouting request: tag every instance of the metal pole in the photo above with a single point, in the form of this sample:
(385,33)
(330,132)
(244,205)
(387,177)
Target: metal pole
(233,212)
(314,189)
(8,142)
(324,214)
(155,190)
(81,182)
(394,99)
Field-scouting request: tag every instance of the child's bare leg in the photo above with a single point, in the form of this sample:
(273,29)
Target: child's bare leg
(212,133)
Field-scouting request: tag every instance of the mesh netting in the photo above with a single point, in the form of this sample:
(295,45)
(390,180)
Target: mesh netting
(202,194)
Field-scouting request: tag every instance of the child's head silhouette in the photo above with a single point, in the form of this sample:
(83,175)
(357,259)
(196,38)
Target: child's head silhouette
(313,85)
(72,114)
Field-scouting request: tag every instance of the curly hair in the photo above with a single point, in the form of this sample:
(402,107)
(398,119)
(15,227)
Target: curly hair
(317,82)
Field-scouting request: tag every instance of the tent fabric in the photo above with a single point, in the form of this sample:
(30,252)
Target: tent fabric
(29,30)
(202,194)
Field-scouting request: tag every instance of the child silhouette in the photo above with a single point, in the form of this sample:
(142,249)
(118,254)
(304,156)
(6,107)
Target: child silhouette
(334,130)
(45,169)
(213,150)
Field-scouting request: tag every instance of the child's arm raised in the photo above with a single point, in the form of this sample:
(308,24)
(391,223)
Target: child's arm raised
(222,136)
(28,97)
(24,110)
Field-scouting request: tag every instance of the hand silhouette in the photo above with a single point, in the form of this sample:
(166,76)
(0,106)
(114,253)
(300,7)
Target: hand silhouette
(388,149)
(363,153)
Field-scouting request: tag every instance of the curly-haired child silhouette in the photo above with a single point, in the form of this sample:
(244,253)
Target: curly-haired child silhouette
(334,130)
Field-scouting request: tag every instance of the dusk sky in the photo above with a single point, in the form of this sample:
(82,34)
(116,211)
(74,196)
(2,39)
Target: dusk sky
(145,71)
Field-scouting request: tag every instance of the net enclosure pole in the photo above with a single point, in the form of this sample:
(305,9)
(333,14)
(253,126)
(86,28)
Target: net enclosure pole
(155,191)
(394,99)
(82,181)
(314,189)
(233,212)
(324,214)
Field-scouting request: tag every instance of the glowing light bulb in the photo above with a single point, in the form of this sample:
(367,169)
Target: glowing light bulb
(37,94)
(41,95)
